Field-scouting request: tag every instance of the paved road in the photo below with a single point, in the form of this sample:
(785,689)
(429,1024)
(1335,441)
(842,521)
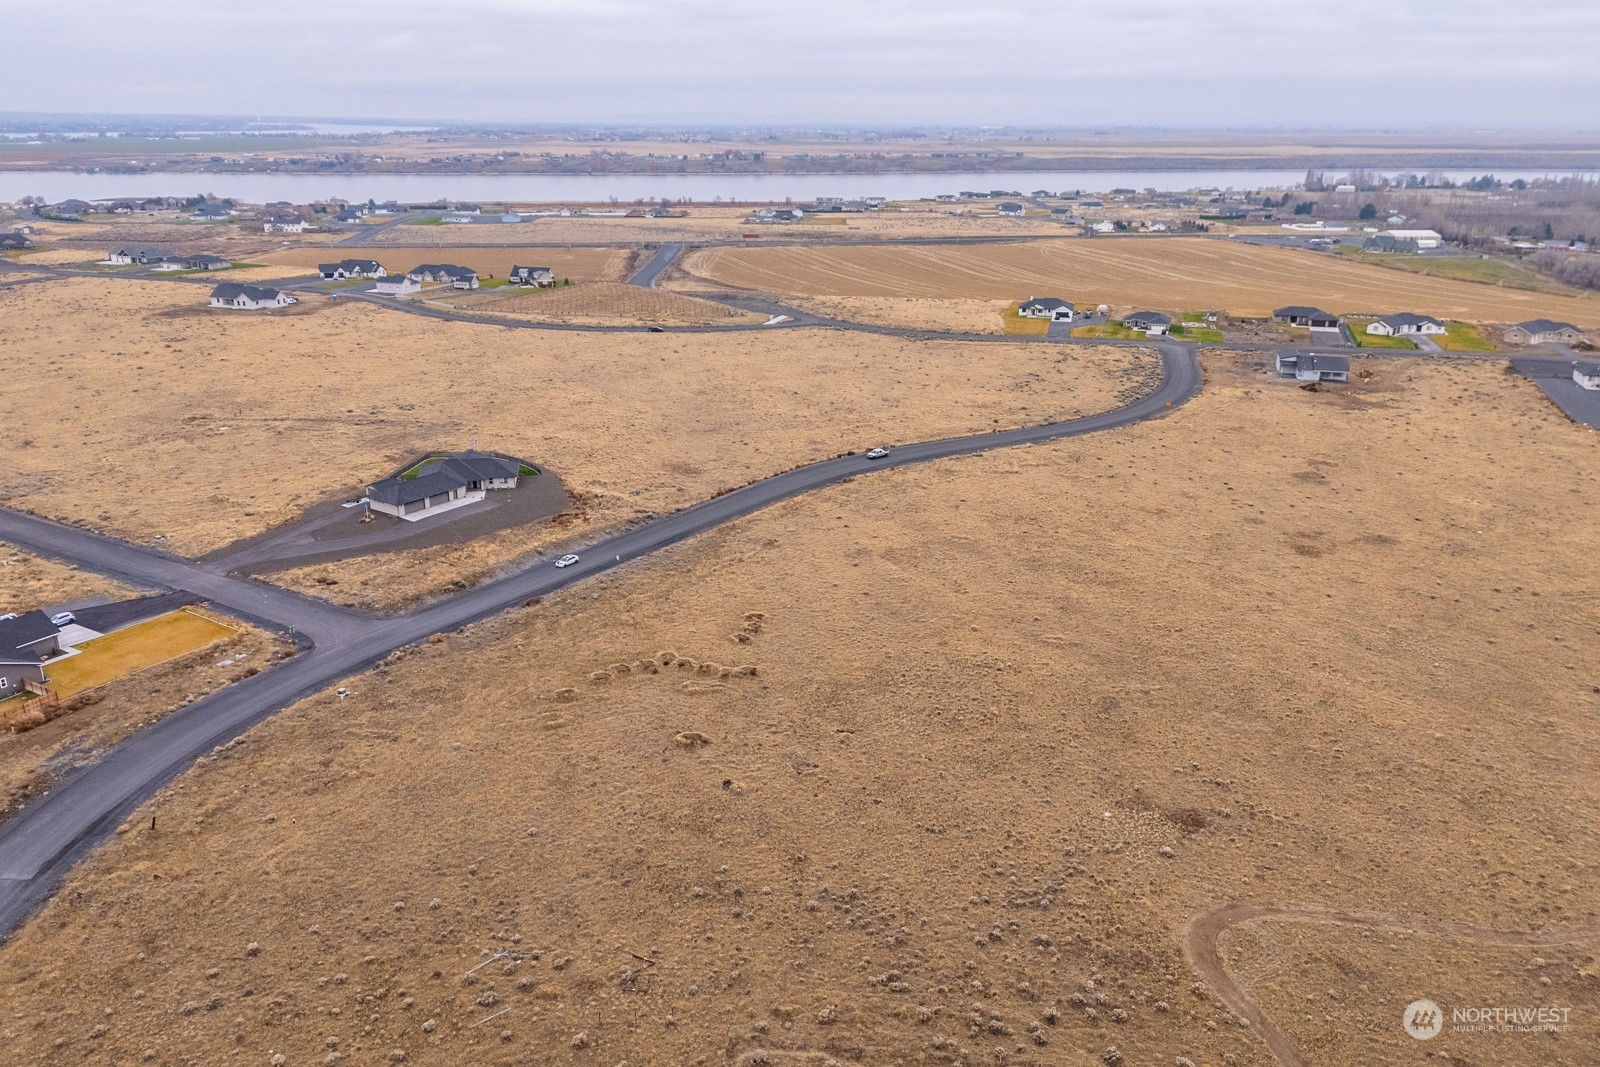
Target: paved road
(645,277)
(39,846)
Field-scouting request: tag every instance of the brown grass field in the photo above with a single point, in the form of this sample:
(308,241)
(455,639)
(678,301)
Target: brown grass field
(912,313)
(1175,274)
(1012,721)
(28,582)
(608,304)
(580,264)
(133,649)
(266,414)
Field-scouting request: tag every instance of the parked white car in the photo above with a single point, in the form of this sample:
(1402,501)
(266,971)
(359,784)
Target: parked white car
(65,618)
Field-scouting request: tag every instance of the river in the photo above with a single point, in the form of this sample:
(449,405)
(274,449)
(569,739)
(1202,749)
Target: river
(56,186)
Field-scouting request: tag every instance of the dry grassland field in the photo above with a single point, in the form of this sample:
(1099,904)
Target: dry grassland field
(28,582)
(1175,274)
(266,414)
(606,304)
(583,264)
(935,766)
(911,313)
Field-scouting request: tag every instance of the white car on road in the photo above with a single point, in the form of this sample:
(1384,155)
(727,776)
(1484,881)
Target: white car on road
(877,453)
(567,560)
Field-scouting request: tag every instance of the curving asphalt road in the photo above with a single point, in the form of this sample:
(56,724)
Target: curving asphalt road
(42,842)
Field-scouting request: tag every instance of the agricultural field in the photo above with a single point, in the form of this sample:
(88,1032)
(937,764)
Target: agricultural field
(579,264)
(1173,274)
(608,304)
(935,765)
(28,582)
(268,414)
(1489,270)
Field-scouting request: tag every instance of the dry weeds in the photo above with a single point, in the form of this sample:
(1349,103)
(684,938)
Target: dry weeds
(28,582)
(1175,274)
(611,304)
(581,264)
(1014,719)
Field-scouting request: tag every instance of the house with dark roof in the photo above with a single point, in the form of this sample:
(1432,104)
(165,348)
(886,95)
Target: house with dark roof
(1388,243)
(1404,324)
(543,277)
(1009,208)
(443,273)
(1586,372)
(1313,367)
(211,212)
(1046,307)
(204,262)
(234,295)
(131,254)
(352,268)
(1151,322)
(14,242)
(73,207)
(445,482)
(26,642)
(1543,332)
(1309,317)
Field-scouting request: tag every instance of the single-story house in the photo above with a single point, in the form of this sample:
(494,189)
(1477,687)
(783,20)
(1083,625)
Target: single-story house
(249,297)
(1009,208)
(467,209)
(1424,238)
(1312,367)
(73,207)
(459,277)
(352,268)
(1313,318)
(142,256)
(1151,322)
(350,215)
(26,642)
(397,285)
(284,226)
(449,481)
(1542,332)
(1384,242)
(1046,307)
(11,242)
(1104,226)
(1405,323)
(1586,372)
(543,277)
(204,262)
(207,212)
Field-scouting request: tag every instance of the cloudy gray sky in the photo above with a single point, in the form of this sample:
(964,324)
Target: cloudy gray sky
(1057,62)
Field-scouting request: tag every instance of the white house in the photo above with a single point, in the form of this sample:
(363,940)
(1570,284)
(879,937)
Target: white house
(1404,324)
(284,226)
(1046,307)
(352,268)
(124,256)
(1010,209)
(1586,373)
(249,297)
(458,277)
(397,285)
(1104,226)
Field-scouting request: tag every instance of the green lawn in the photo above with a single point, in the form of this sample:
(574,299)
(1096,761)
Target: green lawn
(1491,271)
(1464,337)
(1202,334)
(426,220)
(1111,331)
(1016,324)
(1358,330)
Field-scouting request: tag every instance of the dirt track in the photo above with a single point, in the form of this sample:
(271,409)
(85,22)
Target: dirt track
(1200,946)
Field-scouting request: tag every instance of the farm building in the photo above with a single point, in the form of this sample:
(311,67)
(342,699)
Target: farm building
(1405,323)
(1046,307)
(1310,317)
(1586,372)
(249,297)
(1542,332)
(351,268)
(1151,322)
(397,285)
(1310,367)
(445,482)
(543,277)
(440,273)
(26,642)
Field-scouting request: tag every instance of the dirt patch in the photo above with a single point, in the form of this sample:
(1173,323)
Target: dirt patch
(614,303)
(1013,721)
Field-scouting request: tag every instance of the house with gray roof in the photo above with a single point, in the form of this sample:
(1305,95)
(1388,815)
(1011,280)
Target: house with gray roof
(236,296)
(1403,324)
(15,242)
(1313,367)
(352,268)
(1586,372)
(543,277)
(1046,307)
(1309,317)
(211,212)
(27,641)
(1389,244)
(204,261)
(1543,332)
(445,482)
(445,273)
(1151,322)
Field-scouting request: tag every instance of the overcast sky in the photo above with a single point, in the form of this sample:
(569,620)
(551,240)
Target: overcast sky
(1369,63)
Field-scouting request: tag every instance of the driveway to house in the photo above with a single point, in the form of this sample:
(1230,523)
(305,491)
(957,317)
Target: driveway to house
(42,842)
